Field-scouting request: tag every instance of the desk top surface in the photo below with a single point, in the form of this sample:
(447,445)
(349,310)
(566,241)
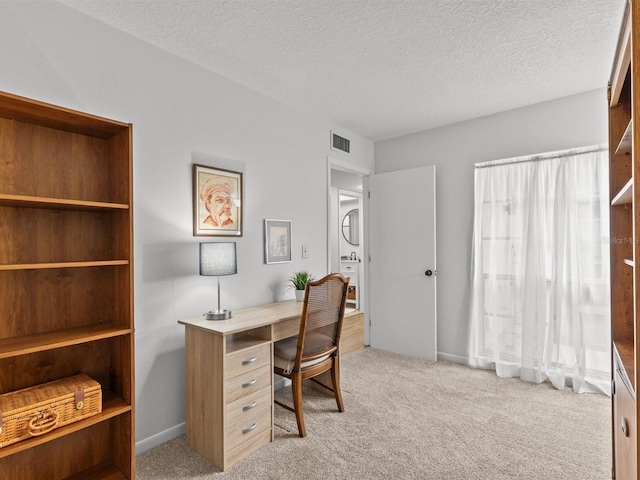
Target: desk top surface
(248,318)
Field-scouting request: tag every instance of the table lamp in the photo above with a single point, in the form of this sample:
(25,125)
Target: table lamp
(218,259)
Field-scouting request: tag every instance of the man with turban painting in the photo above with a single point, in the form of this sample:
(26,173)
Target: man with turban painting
(216,197)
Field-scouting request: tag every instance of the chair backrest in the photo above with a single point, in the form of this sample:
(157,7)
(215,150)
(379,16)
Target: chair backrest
(321,321)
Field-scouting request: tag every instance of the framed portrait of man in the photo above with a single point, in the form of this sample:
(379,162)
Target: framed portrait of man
(217,202)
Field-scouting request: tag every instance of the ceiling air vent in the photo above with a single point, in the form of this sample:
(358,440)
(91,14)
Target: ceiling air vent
(340,143)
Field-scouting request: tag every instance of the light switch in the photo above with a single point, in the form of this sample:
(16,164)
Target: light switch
(305,251)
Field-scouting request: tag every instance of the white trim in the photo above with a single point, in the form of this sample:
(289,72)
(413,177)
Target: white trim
(334,163)
(280,382)
(351,193)
(453,358)
(328,201)
(159,438)
(346,166)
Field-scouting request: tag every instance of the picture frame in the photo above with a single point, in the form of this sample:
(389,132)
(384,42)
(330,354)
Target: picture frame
(277,241)
(217,202)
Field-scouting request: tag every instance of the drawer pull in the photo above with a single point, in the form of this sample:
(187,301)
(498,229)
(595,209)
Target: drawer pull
(625,427)
(250,406)
(249,361)
(250,429)
(250,384)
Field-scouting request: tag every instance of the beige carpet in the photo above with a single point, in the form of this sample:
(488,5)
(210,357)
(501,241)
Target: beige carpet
(406,418)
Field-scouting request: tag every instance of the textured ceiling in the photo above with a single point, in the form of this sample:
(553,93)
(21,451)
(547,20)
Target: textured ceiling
(384,68)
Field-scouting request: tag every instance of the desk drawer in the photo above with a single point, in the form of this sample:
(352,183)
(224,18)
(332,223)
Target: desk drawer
(247,417)
(246,360)
(257,441)
(247,383)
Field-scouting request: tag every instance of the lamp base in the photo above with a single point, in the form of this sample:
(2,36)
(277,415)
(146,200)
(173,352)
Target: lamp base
(218,315)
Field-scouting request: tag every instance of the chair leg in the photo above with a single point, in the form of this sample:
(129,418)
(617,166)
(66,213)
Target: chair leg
(296,390)
(335,379)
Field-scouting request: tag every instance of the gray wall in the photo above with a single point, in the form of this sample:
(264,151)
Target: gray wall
(181,114)
(573,121)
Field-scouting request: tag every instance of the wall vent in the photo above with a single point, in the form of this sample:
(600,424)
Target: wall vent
(340,143)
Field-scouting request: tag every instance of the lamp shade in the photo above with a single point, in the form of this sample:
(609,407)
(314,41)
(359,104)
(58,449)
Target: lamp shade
(218,258)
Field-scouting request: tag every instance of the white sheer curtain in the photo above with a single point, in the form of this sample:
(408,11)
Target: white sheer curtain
(540,269)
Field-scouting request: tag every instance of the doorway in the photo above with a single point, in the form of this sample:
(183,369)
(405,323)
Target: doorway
(401,309)
(350,242)
(346,232)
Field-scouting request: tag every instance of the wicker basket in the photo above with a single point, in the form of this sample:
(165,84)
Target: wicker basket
(40,409)
(351,292)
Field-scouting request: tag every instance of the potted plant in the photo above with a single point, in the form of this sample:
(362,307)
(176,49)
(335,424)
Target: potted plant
(299,281)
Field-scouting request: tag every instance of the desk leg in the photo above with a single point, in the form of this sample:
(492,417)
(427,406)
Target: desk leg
(272,395)
(204,399)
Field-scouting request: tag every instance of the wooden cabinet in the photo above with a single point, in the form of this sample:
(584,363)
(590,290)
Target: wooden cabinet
(624,171)
(229,391)
(66,297)
(624,425)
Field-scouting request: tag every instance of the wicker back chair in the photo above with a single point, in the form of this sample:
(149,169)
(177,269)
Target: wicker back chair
(316,348)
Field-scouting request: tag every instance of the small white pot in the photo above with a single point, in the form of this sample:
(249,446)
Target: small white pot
(300,295)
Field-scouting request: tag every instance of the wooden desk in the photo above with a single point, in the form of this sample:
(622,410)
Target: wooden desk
(229,377)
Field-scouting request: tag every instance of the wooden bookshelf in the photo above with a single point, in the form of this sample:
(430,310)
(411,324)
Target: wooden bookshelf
(625,195)
(624,167)
(66,281)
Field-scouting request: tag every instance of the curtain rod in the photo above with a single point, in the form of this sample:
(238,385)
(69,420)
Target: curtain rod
(543,156)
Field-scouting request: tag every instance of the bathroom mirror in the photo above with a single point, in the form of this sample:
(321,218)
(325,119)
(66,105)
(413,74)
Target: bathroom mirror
(350,227)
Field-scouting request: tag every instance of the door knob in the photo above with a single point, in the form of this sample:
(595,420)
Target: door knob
(428,273)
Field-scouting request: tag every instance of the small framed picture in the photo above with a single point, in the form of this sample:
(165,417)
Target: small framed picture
(217,202)
(277,241)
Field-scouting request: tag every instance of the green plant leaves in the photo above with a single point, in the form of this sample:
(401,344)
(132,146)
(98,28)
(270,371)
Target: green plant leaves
(300,279)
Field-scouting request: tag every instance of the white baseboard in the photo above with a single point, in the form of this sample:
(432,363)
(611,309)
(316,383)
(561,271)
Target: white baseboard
(173,432)
(280,382)
(452,358)
(159,438)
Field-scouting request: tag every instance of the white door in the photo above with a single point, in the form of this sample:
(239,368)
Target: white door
(402,233)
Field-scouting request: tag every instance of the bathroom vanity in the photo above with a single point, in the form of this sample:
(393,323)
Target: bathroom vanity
(349,268)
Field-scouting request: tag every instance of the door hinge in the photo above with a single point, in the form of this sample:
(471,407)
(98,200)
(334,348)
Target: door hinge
(369,194)
(609,91)
(613,386)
